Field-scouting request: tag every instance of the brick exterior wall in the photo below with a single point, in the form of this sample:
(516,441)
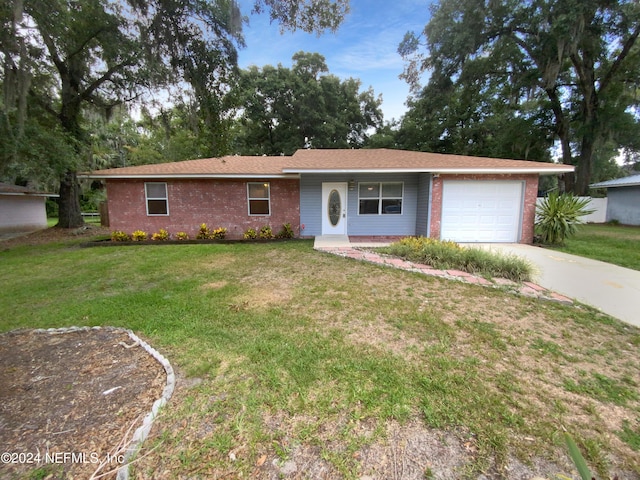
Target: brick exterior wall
(216,202)
(528,214)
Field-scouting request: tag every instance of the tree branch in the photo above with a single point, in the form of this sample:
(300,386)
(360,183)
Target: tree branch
(618,61)
(106,76)
(85,43)
(51,47)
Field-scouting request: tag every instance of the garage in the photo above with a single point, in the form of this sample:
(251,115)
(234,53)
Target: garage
(481,211)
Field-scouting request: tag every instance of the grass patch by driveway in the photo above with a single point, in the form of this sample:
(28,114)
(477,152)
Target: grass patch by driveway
(615,244)
(293,361)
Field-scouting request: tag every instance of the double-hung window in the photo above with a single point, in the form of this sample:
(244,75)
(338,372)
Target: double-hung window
(380,198)
(157,198)
(259,198)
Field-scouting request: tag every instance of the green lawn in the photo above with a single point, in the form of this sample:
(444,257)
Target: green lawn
(615,244)
(300,353)
(53,221)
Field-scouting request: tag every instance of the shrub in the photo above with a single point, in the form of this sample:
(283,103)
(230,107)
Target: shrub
(160,236)
(266,233)
(139,236)
(447,255)
(203,232)
(218,233)
(558,217)
(119,236)
(286,231)
(182,236)
(250,234)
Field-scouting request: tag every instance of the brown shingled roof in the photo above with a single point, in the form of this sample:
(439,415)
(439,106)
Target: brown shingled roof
(385,159)
(331,160)
(10,189)
(206,167)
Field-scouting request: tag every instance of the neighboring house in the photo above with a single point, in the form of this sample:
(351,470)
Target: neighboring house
(22,209)
(623,202)
(359,193)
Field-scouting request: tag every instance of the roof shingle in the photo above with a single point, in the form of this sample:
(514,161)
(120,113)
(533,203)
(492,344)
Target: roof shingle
(630,181)
(331,160)
(388,159)
(222,166)
(10,189)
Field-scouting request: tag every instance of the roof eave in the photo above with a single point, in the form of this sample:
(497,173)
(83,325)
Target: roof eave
(29,194)
(598,185)
(184,176)
(438,170)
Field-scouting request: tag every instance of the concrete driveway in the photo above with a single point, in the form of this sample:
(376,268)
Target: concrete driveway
(612,289)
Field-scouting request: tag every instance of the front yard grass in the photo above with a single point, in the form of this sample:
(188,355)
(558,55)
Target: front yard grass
(617,244)
(283,352)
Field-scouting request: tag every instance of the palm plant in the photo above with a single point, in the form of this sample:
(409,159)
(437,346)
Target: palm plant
(559,215)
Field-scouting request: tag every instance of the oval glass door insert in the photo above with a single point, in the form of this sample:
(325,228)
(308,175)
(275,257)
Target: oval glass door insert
(334,207)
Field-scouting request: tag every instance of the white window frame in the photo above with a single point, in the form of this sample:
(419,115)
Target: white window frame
(165,198)
(267,198)
(380,198)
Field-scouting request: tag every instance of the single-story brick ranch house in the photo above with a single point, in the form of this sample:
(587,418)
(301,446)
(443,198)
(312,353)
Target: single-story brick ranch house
(360,193)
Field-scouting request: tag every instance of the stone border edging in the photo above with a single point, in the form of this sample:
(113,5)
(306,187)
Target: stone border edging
(141,432)
(527,289)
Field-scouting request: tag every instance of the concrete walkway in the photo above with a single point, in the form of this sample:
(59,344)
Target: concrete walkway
(323,242)
(613,290)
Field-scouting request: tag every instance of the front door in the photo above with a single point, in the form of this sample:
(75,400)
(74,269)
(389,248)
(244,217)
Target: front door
(334,208)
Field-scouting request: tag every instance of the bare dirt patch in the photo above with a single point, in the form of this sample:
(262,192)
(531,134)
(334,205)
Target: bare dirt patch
(265,296)
(68,399)
(52,235)
(215,285)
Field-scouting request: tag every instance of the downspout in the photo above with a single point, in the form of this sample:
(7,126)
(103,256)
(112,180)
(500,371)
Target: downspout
(429,206)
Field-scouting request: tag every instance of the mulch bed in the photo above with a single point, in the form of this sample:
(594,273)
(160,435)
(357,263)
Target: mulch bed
(68,399)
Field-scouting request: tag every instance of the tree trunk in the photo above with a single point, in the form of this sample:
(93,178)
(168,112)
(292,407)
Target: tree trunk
(588,141)
(69,215)
(562,129)
(583,171)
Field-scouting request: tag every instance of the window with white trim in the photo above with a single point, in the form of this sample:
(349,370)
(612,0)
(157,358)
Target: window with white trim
(156,198)
(259,198)
(380,198)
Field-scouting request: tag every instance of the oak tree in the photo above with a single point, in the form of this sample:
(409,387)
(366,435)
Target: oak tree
(580,60)
(284,109)
(65,57)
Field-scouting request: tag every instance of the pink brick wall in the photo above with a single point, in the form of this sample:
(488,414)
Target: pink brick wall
(530,194)
(218,203)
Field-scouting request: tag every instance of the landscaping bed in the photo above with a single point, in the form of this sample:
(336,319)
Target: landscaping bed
(446,255)
(69,400)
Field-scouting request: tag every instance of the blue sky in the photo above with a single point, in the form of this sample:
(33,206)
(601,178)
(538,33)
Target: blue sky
(365,46)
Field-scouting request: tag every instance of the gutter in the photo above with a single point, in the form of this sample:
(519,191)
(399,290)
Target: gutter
(596,185)
(24,194)
(558,170)
(186,176)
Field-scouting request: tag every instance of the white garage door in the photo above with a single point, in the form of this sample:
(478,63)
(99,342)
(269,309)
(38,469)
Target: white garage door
(481,211)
